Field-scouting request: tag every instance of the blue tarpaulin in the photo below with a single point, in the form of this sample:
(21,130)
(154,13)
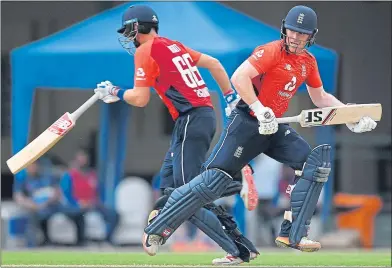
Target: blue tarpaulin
(86,53)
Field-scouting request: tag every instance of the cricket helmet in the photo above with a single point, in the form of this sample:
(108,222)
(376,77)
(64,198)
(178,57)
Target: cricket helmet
(136,19)
(300,19)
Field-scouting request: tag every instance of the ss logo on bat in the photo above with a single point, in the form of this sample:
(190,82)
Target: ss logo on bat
(314,117)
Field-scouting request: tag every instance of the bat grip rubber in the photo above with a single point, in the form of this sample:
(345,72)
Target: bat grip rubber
(285,120)
(85,106)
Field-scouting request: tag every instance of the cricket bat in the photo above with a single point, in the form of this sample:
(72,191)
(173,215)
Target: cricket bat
(335,115)
(48,138)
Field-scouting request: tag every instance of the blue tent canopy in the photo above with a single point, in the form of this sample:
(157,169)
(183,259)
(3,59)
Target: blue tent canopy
(88,52)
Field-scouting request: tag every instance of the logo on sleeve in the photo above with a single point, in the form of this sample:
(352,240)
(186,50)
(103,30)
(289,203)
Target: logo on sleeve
(140,74)
(258,54)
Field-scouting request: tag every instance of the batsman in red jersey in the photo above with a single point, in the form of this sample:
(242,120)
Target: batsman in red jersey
(266,82)
(172,70)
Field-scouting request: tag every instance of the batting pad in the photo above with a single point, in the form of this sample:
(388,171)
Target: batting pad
(208,222)
(187,199)
(307,191)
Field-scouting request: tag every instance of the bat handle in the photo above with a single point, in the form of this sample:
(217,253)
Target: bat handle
(84,107)
(290,119)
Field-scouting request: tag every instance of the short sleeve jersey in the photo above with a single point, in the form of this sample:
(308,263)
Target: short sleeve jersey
(170,68)
(281,74)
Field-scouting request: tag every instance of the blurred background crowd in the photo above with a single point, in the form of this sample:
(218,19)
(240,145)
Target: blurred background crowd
(62,199)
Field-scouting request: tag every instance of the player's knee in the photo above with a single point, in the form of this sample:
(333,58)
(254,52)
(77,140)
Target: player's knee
(234,187)
(305,151)
(318,164)
(210,184)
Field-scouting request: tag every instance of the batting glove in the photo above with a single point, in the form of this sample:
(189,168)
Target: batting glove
(267,121)
(107,92)
(364,125)
(232,99)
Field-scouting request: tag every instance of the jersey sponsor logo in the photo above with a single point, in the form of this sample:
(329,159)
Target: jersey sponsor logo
(285,94)
(174,48)
(290,86)
(287,67)
(140,74)
(258,54)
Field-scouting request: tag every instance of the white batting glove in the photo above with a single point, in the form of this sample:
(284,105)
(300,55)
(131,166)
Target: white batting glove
(232,98)
(107,92)
(267,121)
(364,125)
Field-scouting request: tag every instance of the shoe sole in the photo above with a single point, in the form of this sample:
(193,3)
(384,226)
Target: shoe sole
(251,198)
(151,216)
(301,248)
(147,250)
(237,263)
(226,263)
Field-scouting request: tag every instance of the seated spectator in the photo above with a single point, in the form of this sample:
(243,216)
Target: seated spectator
(39,193)
(80,188)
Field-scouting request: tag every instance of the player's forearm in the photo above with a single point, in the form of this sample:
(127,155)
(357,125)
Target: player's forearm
(134,98)
(244,88)
(327,100)
(222,79)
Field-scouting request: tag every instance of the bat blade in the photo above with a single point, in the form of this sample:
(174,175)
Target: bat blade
(340,115)
(41,144)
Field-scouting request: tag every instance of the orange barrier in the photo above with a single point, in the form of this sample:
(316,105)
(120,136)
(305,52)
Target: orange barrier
(360,215)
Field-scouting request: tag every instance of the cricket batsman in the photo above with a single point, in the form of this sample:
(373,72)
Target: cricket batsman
(266,82)
(172,70)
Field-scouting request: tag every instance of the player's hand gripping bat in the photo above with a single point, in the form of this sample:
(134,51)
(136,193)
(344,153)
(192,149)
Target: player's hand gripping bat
(48,138)
(335,115)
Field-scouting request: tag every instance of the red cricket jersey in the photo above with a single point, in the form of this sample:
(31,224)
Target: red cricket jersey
(281,74)
(170,68)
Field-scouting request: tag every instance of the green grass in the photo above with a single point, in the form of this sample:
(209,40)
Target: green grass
(283,258)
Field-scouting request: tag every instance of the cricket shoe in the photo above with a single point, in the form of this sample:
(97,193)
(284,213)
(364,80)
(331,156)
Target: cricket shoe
(248,192)
(231,260)
(151,243)
(305,245)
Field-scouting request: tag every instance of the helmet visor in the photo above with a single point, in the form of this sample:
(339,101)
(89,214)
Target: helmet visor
(128,35)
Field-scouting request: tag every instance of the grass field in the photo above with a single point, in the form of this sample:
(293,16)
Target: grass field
(279,258)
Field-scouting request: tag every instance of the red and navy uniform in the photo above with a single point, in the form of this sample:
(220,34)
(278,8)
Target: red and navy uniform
(280,74)
(170,68)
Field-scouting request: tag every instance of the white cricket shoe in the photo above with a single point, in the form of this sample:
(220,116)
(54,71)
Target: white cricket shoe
(305,245)
(231,260)
(151,243)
